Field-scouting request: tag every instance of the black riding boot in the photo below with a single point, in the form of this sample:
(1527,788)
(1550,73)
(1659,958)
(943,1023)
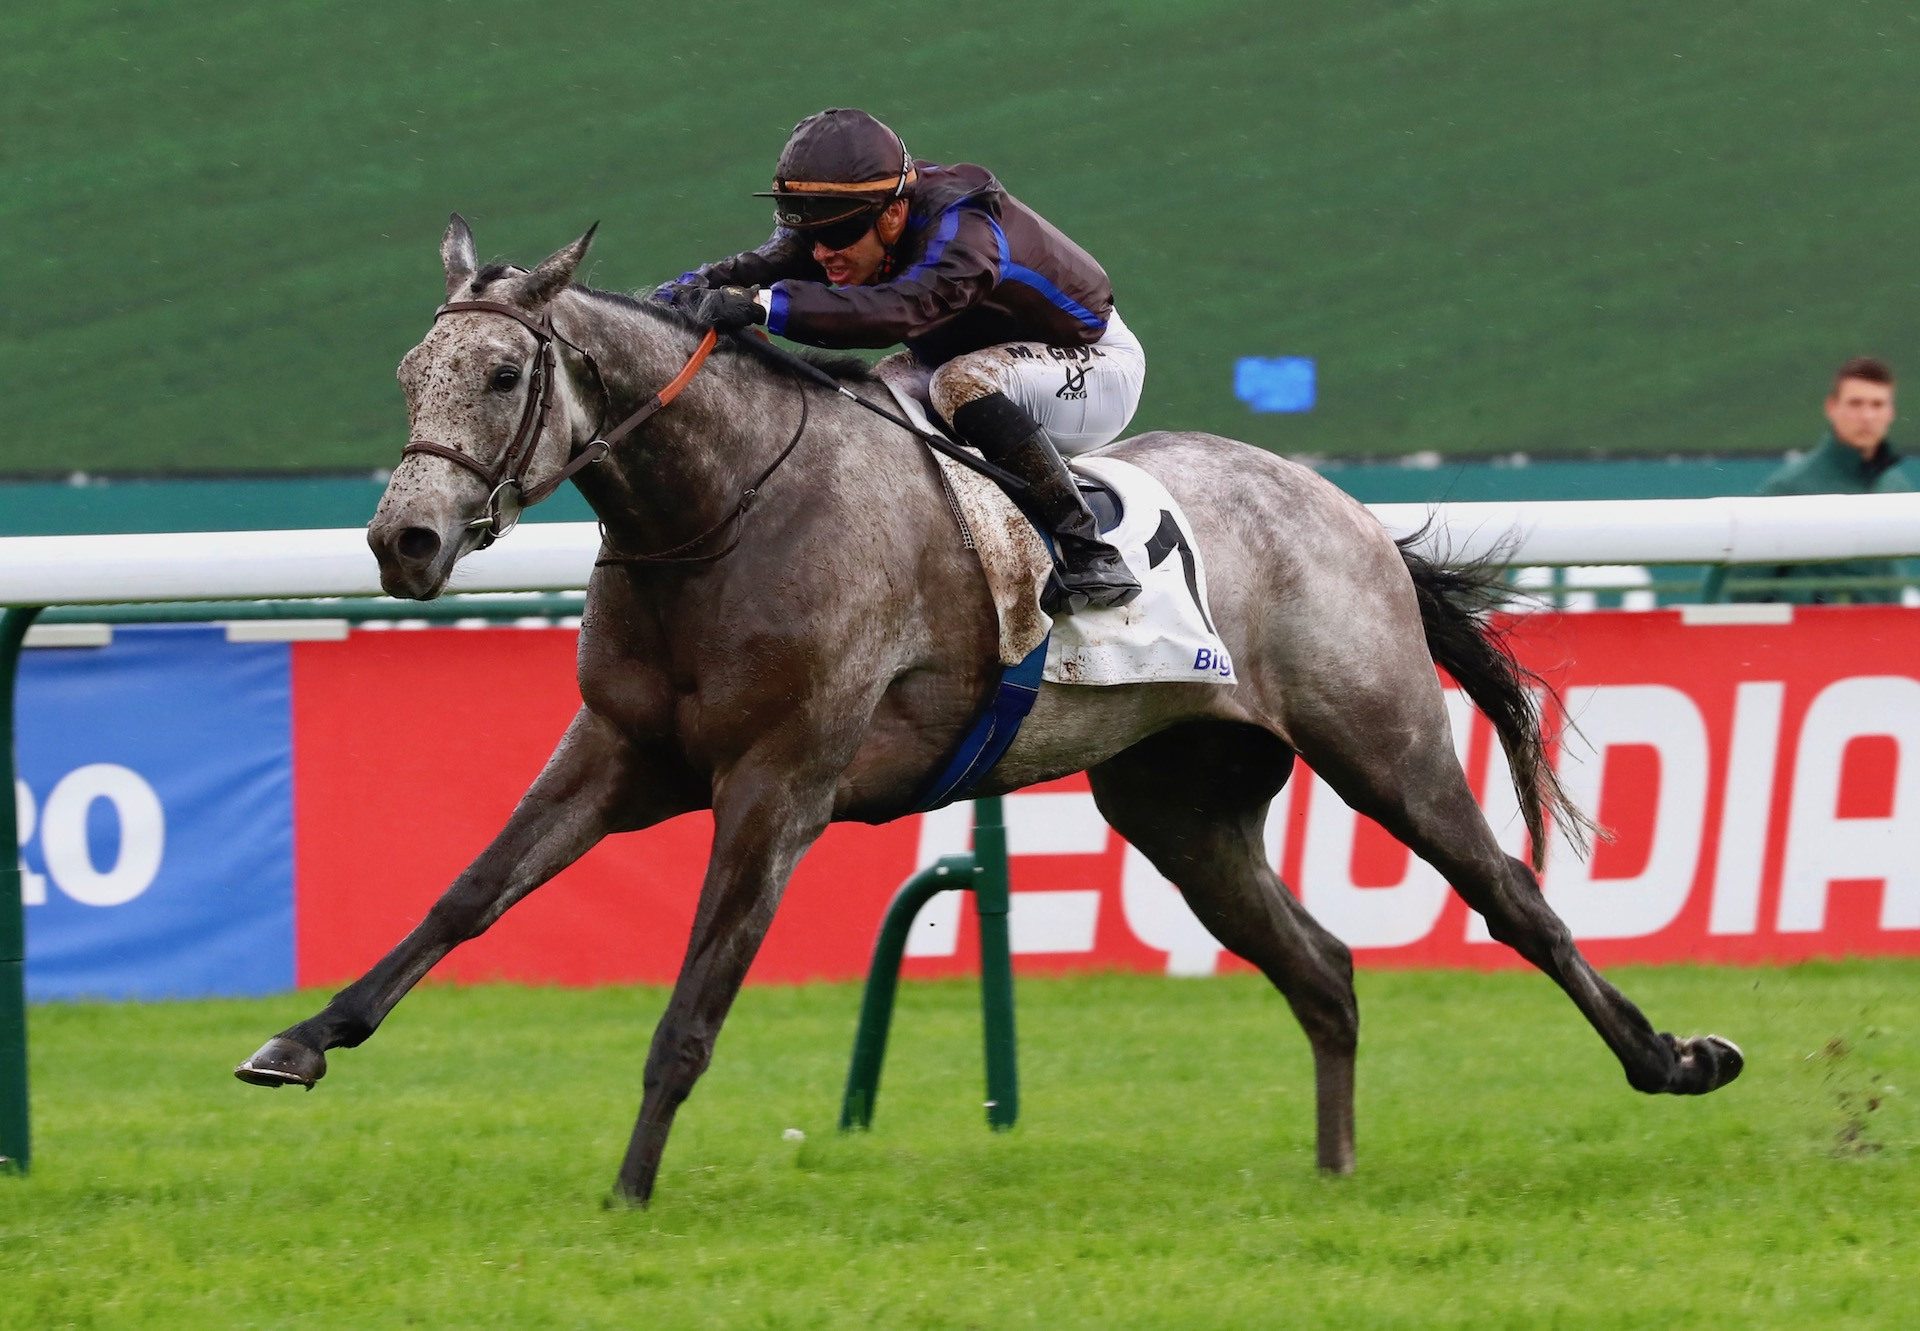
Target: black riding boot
(1088,573)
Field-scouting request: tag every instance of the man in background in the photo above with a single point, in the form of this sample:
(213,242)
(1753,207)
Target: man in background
(1854,457)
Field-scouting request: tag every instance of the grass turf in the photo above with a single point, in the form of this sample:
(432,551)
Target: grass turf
(453,1172)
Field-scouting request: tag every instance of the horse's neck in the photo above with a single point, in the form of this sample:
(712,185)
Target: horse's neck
(684,470)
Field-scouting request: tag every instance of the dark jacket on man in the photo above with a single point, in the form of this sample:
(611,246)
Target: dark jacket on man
(975,268)
(1830,469)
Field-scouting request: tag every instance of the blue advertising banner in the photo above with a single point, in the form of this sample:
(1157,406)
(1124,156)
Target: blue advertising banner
(156,820)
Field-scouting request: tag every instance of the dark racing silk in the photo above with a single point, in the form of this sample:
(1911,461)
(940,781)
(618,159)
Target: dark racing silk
(975,268)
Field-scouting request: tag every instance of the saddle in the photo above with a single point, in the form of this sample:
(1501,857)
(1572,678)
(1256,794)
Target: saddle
(1103,499)
(1166,635)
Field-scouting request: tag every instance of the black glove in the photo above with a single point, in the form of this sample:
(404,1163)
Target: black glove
(669,293)
(724,308)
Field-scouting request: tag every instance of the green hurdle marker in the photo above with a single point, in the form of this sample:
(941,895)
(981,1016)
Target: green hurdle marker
(984,873)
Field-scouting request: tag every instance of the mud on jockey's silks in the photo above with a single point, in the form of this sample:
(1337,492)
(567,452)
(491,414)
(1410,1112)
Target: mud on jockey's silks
(1166,635)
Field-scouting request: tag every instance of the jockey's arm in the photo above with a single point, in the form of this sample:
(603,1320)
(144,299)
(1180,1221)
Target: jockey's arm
(960,265)
(783,255)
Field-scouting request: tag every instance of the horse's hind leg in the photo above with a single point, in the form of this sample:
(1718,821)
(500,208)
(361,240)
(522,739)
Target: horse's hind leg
(1389,757)
(1193,800)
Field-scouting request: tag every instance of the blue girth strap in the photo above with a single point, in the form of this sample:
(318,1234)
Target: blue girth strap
(993,730)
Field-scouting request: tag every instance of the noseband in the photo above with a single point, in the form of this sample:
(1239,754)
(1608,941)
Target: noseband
(507,492)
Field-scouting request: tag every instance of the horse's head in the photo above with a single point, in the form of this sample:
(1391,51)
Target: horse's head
(491,411)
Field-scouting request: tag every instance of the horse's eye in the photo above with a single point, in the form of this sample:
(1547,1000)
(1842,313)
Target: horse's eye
(504,378)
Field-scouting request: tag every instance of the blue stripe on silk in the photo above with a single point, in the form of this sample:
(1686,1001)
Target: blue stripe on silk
(777,309)
(949,224)
(1014,272)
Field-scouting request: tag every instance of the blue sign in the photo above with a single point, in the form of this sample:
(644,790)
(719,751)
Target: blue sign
(1274,383)
(156,816)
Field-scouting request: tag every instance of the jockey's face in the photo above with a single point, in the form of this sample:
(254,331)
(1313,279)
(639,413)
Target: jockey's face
(858,264)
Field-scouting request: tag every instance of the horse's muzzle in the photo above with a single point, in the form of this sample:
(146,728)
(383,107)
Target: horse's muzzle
(414,561)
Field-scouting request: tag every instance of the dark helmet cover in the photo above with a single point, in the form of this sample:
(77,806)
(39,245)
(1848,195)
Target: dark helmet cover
(837,165)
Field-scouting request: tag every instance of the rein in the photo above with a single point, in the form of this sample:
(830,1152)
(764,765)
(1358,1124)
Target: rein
(999,475)
(507,492)
(672,554)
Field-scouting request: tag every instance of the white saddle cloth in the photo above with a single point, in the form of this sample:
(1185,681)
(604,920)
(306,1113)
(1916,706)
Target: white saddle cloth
(1166,634)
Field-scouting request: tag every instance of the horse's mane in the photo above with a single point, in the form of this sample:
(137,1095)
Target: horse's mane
(847,369)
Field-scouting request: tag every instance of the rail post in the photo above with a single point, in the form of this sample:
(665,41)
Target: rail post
(992,901)
(984,872)
(16,1140)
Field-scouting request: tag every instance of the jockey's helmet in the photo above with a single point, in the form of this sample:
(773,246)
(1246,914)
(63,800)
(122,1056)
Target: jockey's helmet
(838,170)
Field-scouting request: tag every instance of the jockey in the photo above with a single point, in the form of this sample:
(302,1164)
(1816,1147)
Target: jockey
(1028,358)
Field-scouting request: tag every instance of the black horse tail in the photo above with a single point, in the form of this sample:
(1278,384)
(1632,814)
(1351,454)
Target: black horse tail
(1455,608)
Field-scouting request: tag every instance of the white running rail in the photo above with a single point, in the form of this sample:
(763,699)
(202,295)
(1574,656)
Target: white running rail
(197,566)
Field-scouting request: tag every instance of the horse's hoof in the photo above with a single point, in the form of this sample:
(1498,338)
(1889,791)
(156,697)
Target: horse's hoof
(1705,1063)
(283,1062)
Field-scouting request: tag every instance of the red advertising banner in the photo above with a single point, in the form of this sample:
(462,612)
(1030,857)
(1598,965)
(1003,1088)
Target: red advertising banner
(1761,781)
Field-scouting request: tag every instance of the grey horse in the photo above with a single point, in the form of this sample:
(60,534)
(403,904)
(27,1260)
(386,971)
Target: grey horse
(793,647)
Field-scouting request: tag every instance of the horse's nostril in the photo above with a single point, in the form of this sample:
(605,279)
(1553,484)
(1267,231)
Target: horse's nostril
(417,545)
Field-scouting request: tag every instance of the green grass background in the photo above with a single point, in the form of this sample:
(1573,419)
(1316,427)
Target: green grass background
(1497,225)
(452,1172)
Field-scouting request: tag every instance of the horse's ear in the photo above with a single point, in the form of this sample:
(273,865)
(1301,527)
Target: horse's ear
(456,253)
(551,277)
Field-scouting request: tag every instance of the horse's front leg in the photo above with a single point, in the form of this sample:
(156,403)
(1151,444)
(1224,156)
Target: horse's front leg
(595,783)
(766,813)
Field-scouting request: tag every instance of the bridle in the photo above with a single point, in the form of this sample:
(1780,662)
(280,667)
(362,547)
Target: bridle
(507,492)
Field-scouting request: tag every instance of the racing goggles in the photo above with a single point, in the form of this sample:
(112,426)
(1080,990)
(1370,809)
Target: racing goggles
(846,231)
